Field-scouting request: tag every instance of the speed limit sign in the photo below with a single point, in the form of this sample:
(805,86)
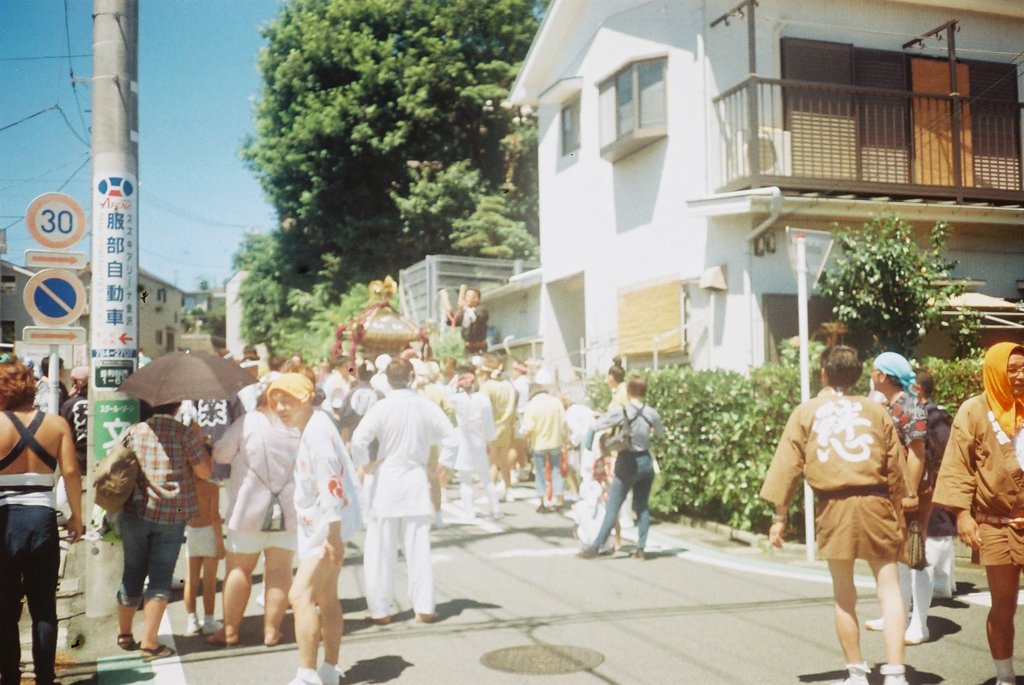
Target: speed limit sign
(55,220)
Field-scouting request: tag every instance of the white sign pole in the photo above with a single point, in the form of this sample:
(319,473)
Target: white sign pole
(805,374)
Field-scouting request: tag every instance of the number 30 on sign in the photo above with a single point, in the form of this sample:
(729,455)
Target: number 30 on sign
(55,220)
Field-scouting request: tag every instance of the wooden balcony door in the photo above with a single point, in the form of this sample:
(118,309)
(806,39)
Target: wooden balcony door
(932,123)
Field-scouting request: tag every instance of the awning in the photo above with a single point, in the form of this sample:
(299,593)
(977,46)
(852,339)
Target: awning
(995,312)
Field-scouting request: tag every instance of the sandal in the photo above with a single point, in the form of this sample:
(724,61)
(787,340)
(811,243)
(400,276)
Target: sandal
(126,642)
(160,652)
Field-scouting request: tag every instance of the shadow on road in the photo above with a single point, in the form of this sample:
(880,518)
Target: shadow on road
(379,670)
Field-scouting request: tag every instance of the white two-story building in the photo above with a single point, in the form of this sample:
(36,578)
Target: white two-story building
(679,139)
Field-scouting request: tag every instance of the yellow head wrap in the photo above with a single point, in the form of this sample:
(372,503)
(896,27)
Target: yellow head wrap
(1009,410)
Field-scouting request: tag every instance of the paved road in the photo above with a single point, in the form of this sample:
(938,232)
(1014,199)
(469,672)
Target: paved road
(704,610)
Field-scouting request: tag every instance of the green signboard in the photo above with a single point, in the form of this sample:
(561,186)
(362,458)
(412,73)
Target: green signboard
(110,373)
(110,418)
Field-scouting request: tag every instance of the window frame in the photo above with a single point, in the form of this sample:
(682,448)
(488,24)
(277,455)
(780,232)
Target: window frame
(572,108)
(639,136)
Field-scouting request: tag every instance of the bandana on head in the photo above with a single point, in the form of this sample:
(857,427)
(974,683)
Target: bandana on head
(1009,410)
(897,366)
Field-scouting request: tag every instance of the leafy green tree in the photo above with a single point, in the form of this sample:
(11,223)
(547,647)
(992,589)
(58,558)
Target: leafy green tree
(359,97)
(488,232)
(886,285)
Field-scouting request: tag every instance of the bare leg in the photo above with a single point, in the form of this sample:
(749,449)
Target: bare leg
(237,586)
(195,564)
(845,595)
(125,615)
(894,613)
(307,621)
(332,620)
(277,579)
(210,565)
(1004,584)
(152,612)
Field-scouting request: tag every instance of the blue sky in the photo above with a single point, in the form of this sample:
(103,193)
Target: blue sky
(197,82)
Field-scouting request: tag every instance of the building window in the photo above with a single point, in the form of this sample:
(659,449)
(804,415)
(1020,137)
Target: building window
(161,295)
(8,334)
(159,338)
(7,284)
(571,127)
(633,108)
(170,341)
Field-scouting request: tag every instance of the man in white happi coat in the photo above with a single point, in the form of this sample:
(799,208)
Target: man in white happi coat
(405,426)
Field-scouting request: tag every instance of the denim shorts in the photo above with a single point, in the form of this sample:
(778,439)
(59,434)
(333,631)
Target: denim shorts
(150,550)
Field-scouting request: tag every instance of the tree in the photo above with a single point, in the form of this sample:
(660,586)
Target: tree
(359,97)
(884,284)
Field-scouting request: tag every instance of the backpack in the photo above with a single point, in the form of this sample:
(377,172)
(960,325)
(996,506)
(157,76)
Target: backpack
(115,478)
(118,475)
(622,439)
(939,423)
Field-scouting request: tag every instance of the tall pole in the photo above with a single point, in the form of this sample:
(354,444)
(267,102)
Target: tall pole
(113,315)
(805,375)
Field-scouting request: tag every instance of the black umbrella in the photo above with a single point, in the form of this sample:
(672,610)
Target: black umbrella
(186,376)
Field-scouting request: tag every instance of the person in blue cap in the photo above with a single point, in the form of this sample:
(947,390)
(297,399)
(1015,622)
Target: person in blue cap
(893,377)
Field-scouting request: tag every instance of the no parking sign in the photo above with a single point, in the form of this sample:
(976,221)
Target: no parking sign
(54,297)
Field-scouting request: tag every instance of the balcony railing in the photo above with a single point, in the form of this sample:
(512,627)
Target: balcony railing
(820,137)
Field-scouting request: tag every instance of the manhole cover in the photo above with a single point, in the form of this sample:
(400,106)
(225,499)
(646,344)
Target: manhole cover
(542,659)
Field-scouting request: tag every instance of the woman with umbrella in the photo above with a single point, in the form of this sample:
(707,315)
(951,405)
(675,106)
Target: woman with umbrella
(171,456)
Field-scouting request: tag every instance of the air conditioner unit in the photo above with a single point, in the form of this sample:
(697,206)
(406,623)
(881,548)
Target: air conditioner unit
(775,154)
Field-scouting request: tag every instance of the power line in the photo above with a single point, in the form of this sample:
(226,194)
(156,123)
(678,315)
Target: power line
(40,176)
(172,209)
(30,116)
(42,57)
(71,75)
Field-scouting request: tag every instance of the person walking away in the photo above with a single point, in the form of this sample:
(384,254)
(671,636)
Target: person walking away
(260,451)
(361,396)
(615,380)
(35,447)
(475,420)
(941,525)
(847,449)
(979,482)
(634,468)
(325,497)
(892,376)
(204,548)
(502,394)
(545,431)
(75,411)
(336,386)
(42,401)
(427,385)
(171,455)
(405,425)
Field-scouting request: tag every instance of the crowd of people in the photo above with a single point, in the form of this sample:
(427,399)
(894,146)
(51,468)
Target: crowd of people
(310,455)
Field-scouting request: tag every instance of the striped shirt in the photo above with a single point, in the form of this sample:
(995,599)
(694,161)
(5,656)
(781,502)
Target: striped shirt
(167,451)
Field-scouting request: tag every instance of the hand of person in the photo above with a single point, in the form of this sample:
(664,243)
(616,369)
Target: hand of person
(776,532)
(910,504)
(968,531)
(76,529)
(220,549)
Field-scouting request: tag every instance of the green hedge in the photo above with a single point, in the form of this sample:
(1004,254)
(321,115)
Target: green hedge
(722,428)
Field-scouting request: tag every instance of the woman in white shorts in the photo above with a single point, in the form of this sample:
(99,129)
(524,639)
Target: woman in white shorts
(261,451)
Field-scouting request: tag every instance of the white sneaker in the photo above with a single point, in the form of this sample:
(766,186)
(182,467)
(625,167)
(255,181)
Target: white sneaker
(211,625)
(306,676)
(192,625)
(894,674)
(858,674)
(876,624)
(915,635)
(328,674)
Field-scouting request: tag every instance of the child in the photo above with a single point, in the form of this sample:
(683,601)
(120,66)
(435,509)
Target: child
(204,548)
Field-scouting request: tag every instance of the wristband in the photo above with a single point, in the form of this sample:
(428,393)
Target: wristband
(912,495)
(779,518)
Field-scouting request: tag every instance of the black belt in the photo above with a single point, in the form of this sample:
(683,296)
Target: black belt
(854,491)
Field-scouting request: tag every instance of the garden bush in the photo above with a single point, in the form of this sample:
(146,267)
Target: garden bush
(722,429)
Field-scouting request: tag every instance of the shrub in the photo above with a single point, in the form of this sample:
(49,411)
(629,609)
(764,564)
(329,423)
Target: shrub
(722,429)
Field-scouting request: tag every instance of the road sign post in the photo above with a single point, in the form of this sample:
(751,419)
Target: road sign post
(820,245)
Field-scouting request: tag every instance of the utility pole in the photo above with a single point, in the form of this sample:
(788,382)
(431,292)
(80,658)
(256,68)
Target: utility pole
(113,315)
